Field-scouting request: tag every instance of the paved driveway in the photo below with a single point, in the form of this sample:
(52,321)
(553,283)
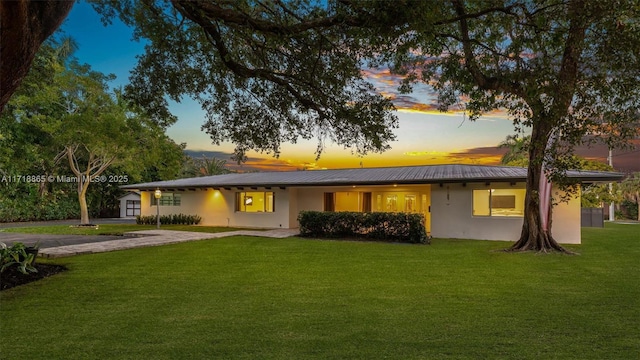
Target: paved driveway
(49,241)
(67,245)
(66,222)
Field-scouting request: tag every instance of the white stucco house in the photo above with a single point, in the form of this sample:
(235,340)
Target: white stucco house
(130,205)
(458,201)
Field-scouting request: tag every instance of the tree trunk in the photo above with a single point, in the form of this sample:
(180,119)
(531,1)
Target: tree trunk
(533,236)
(24,26)
(83,185)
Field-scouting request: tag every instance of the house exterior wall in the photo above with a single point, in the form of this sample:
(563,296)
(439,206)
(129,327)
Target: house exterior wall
(565,226)
(217,208)
(294,204)
(279,218)
(448,209)
(452,216)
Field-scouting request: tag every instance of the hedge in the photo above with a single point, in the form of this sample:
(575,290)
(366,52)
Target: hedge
(382,226)
(175,219)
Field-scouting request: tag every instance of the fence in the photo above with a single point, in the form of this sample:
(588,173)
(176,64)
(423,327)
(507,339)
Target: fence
(592,217)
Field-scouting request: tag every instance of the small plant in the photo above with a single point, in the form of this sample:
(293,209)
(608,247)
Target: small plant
(19,256)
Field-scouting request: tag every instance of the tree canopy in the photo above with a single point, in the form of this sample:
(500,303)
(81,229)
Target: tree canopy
(265,73)
(64,128)
(25,26)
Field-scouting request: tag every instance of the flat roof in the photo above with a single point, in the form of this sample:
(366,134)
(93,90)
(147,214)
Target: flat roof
(426,174)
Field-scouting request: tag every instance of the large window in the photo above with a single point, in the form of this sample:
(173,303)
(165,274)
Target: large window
(347,201)
(398,201)
(255,201)
(167,199)
(410,204)
(498,202)
(392,203)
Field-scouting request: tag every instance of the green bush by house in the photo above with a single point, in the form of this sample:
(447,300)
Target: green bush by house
(393,227)
(175,219)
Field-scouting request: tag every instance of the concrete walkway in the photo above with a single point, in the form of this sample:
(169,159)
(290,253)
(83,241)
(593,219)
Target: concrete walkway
(145,238)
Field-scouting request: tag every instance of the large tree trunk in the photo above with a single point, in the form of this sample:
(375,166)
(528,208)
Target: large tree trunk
(24,26)
(84,209)
(96,163)
(534,237)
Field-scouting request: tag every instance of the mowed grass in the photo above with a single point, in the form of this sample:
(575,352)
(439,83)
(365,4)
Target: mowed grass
(258,298)
(111,229)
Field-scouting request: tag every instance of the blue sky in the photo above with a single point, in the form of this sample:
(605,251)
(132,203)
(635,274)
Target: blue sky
(424,136)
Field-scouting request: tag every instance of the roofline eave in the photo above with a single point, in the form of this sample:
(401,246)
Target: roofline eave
(142,187)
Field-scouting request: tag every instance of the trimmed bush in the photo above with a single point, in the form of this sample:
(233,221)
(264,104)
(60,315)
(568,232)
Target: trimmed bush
(382,226)
(174,219)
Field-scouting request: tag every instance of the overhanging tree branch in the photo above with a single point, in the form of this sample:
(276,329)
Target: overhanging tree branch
(483,81)
(212,10)
(215,37)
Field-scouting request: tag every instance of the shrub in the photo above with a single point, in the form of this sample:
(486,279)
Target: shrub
(396,227)
(16,256)
(174,219)
(628,210)
(30,206)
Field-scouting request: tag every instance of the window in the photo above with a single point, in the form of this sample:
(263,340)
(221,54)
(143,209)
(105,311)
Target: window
(133,208)
(346,201)
(255,201)
(410,204)
(167,199)
(498,202)
(392,203)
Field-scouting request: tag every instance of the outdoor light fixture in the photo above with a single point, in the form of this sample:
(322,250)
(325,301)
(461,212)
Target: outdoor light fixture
(158,195)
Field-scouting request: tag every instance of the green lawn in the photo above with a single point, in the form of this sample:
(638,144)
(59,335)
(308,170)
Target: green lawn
(111,229)
(249,297)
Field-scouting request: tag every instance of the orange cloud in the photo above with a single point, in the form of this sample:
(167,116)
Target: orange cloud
(423,99)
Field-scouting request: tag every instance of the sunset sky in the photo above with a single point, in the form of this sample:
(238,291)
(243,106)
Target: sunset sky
(425,136)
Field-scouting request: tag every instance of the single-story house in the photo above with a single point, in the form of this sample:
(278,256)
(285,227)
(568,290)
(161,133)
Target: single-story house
(130,204)
(458,201)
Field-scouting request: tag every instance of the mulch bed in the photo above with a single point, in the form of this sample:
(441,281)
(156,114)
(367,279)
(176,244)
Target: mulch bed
(11,277)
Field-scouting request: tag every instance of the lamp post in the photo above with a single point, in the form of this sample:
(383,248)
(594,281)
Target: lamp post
(158,195)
